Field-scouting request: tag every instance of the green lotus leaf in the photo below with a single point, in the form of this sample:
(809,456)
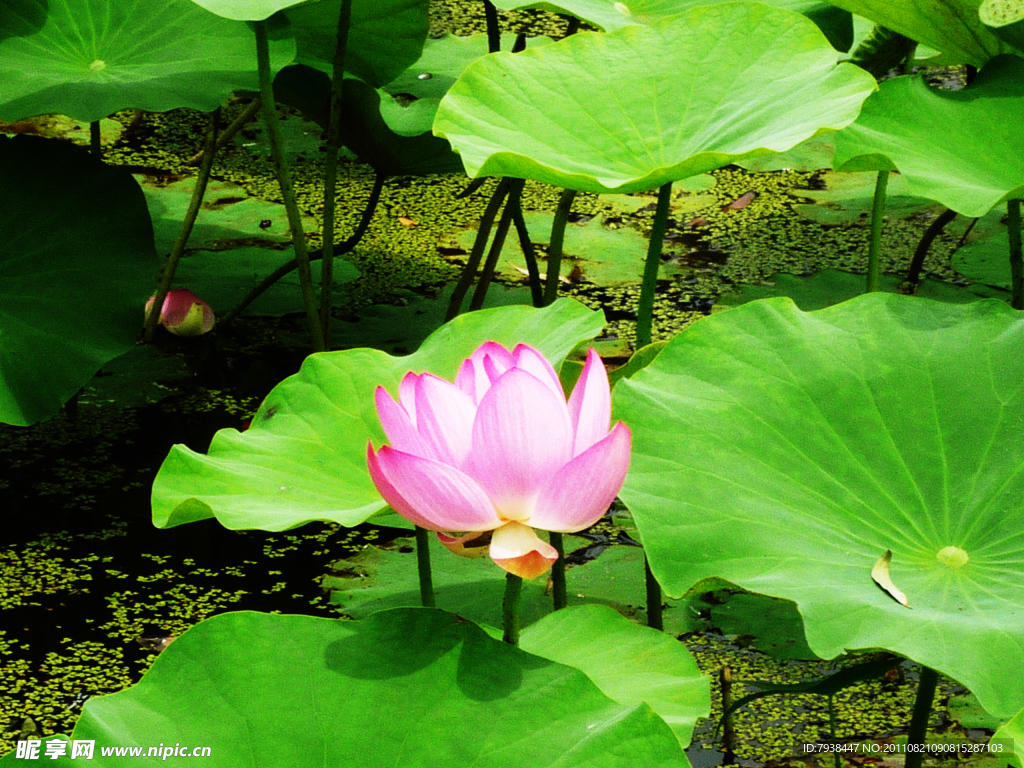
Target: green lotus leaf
(413,687)
(304,457)
(975,162)
(610,15)
(786,452)
(950,26)
(986,255)
(248,10)
(1009,739)
(661,104)
(832,286)
(76,266)
(385,36)
(94,57)
(631,664)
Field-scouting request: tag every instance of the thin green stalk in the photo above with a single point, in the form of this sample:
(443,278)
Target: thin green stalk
(473,262)
(331,170)
(285,182)
(493,28)
(515,188)
(1016,260)
(875,244)
(922,711)
(171,265)
(645,307)
(654,617)
(728,717)
(230,132)
(921,252)
(558,591)
(555,247)
(510,608)
(95,139)
(423,567)
(529,252)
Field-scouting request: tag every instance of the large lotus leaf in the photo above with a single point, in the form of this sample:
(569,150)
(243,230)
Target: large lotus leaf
(610,15)
(975,162)
(660,103)
(304,457)
(631,664)
(418,688)
(94,57)
(384,38)
(76,265)
(247,10)
(950,26)
(385,577)
(786,452)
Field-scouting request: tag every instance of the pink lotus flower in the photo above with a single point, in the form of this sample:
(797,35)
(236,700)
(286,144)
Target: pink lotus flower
(184,313)
(499,453)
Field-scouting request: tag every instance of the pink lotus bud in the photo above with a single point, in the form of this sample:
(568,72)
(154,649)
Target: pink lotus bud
(500,453)
(184,313)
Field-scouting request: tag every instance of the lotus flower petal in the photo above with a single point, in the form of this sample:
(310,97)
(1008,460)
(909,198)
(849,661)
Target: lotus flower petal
(399,426)
(578,494)
(444,419)
(590,406)
(521,437)
(429,493)
(473,378)
(184,314)
(473,544)
(407,394)
(532,361)
(516,548)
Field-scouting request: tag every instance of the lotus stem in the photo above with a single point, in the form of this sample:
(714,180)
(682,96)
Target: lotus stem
(230,132)
(423,568)
(473,262)
(645,308)
(558,590)
(728,724)
(654,617)
(836,763)
(1016,260)
(875,244)
(922,711)
(285,182)
(493,28)
(933,231)
(510,608)
(515,187)
(331,170)
(555,246)
(95,139)
(171,265)
(529,252)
